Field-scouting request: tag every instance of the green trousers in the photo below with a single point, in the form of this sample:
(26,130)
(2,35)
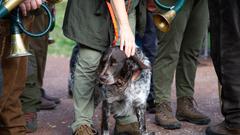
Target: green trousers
(85,81)
(178,50)
(31,95)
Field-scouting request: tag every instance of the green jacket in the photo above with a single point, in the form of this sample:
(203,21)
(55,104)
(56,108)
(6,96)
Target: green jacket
(88,22)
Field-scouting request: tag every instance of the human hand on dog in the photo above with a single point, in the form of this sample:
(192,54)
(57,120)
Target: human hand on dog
(127,40)
(28,5)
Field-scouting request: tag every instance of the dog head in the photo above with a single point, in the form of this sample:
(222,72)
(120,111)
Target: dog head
(115,66)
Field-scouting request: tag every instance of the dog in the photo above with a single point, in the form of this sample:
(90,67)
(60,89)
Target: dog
(125,86)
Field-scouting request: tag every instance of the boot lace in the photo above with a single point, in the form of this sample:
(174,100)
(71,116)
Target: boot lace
(85,130)
(165,109)
(190,102)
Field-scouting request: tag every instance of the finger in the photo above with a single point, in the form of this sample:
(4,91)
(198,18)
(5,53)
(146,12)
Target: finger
(133,49)
(23,9)
(121,43)
(28,6)
(127,49)
(39,3)
(34,4)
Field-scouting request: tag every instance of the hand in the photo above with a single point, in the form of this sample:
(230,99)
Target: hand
(127,40)
(28,5)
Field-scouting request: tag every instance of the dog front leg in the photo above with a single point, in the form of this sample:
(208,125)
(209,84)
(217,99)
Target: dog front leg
(105,118)
(140,112)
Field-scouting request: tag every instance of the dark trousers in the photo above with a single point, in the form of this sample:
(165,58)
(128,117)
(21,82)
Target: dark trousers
(148,45)
(225,52)
(31,96)
(72,65)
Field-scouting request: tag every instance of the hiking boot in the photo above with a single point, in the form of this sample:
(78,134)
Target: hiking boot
(46,104)
(127,129)
(221,129)
(165,118)
(31,122)
(85,130)
(187,112)
(47,97)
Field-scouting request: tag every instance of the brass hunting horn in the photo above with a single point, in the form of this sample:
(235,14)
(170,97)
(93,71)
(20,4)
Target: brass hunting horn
(163,21)
(17,29)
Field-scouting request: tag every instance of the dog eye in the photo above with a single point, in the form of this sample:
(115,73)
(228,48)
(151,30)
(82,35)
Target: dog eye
(114,64)
(113,61)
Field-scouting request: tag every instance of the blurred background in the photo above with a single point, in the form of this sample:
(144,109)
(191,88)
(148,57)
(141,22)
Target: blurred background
(62,46)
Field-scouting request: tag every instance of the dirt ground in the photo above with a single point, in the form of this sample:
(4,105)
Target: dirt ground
(58,121)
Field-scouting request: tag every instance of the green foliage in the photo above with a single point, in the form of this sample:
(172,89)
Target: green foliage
(62,46)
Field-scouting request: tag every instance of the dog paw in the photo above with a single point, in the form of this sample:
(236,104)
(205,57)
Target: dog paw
(106,132)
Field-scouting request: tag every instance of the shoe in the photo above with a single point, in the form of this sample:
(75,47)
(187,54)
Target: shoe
(50,40)
(46,104)
(221,129)
(187,112)
(54,99)
(127,129)
(31,122)
(85,130)
(165,118)
(151,107)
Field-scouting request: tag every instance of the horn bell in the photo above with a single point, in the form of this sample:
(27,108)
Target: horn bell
(163,21)
(18,47)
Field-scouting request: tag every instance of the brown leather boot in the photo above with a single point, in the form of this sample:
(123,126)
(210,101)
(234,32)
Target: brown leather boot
(85,130)
(187,112)
(221,129)
(127,129)
(165,118)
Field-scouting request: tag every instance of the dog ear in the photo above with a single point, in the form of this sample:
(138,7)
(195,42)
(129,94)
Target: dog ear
(140,63)
(137,58)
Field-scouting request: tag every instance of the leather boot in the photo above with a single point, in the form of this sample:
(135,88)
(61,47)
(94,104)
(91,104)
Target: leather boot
(165,118)
(47,97)
(222,129)
(127,129)
(46,104)
(187,112)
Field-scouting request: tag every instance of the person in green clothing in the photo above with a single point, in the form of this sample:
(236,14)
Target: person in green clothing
(89,24)
(34,97)
(177,54)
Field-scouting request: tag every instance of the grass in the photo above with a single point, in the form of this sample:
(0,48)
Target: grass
(62,46)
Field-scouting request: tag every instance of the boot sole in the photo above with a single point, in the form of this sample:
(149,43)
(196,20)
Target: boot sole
(171,126)
(197,122)
(209,132)
(47,107)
